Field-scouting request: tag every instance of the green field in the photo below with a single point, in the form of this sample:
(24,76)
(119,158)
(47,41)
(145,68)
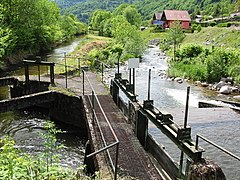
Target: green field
(215,36)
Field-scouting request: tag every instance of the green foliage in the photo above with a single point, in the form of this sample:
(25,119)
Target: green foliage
(216,8)
(212,23)
(196,27)
(191,70)
(34,26)
(15,164)
(6,42)
(122,25)
(175,35)
(198,63)
(189,51)
(130,12)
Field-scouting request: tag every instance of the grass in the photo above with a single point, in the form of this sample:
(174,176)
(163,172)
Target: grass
(215,36)
(149,35)
(88,43)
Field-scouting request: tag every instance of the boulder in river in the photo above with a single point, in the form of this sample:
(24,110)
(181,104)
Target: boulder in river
(219,85)
(225,90)
(206,170)
(179,80)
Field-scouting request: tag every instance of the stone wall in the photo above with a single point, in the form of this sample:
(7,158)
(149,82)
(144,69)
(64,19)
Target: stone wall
(69,110)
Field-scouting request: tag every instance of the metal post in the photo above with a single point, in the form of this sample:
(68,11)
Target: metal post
(79,67)
(26,73)
(38,73)
(116,162)
(186,108)
(130,76)
(185,125)
(149,83)
(187,169)
(102,72)
(181,164)
(118,65)
(134,81)
(52,74)
(65,58)
(83,80)
(93,107)
(196,144)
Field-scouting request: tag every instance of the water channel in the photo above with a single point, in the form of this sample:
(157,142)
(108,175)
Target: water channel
(25,126)
(219,125)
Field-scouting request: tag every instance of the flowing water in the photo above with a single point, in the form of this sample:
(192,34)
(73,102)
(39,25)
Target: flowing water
(220,125)
(25,126)
(56,56)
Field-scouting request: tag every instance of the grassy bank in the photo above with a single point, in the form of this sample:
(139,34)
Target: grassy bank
(81,52)
(208,55)
(215,36)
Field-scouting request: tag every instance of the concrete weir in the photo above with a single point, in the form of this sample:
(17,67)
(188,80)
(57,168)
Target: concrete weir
(64,108)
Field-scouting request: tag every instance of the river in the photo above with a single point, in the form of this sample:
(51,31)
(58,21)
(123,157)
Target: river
(25,126)
(221,125)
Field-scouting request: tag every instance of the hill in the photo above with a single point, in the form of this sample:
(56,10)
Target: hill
(83,8)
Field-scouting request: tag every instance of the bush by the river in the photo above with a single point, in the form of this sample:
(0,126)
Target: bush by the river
(16,164)
(199,63)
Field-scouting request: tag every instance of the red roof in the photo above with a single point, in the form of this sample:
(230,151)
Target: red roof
(176,15)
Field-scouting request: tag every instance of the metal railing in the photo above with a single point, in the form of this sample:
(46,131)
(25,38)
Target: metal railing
(95,119)
(215,145)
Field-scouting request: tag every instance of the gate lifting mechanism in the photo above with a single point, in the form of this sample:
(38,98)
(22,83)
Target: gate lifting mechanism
(180,135)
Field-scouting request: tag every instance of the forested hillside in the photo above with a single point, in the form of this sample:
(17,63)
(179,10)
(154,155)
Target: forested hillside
(83,8)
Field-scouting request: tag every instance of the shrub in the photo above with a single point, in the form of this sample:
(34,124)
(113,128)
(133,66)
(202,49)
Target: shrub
(19,165)
(212,23)
(189,51)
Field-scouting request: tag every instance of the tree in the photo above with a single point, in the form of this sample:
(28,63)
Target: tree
(132,16)
(128,36)
(97,20)
(37,25)
(175,35)
(130,12)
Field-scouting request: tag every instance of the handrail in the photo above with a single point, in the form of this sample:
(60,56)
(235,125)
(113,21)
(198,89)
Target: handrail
(215,145)
(116,143)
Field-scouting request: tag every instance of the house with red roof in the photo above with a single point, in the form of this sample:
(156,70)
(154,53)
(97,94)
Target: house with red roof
(170,16)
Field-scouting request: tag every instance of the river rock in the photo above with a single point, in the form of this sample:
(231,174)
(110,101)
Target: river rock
(237,97)
(219,85)
(204,84)
(228,80)
(206,170)
(225,90)
(197,83)
(234,89)
(179,80)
